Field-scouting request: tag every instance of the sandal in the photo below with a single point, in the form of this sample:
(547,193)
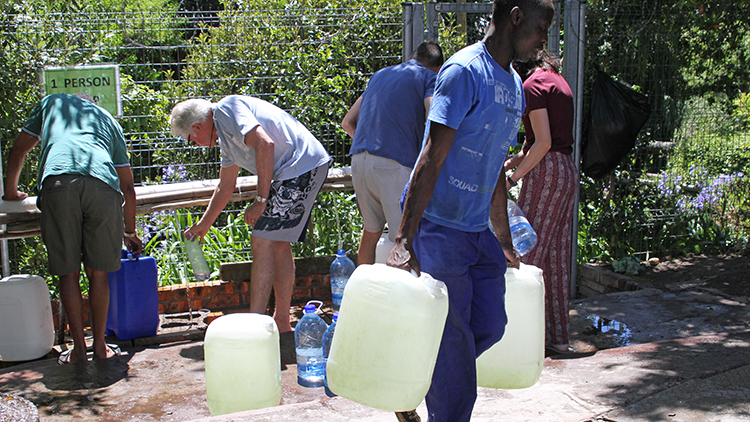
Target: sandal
(554,351)
(114,348)
(408,416)
(64,357)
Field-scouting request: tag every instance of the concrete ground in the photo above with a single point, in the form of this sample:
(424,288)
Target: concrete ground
(677,353)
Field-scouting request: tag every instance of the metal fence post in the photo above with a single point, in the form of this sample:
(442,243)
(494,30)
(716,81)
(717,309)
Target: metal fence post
(575,33)
(406,33)
(413,28)
(553,34)
(417,28)
(432,22)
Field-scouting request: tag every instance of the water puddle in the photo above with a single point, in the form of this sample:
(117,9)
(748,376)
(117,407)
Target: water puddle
(617,330)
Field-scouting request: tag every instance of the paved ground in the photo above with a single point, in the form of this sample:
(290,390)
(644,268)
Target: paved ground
(677,353)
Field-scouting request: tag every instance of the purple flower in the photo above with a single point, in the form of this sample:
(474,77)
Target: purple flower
(174,173)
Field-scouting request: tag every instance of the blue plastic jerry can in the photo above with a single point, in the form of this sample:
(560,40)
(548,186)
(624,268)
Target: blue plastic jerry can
(133,298)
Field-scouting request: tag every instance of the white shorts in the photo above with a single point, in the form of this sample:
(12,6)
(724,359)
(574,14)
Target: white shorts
(379,183)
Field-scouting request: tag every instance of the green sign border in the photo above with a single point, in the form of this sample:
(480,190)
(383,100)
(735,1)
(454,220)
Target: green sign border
(95,80)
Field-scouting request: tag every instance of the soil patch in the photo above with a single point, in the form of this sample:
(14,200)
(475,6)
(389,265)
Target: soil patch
(729,274)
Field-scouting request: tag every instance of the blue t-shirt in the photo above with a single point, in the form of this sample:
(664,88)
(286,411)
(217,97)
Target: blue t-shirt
(391,116)
(296,151)
(77,137)
(484,103)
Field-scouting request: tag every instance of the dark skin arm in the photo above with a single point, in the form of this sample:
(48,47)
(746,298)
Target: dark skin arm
(499,220)
(418,196)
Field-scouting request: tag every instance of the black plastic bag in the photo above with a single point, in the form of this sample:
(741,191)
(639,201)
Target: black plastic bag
(616,114)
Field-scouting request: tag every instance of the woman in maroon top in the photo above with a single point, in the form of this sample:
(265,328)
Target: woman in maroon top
(549,186)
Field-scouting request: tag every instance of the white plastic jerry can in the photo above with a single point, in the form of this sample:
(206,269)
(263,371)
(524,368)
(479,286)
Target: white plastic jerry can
(243,363)
(387,337)
(516,361)
(26,328)
(383,248)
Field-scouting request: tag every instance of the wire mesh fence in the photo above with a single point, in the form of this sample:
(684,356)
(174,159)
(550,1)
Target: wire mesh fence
(690,60)
(313,63)
(164,57)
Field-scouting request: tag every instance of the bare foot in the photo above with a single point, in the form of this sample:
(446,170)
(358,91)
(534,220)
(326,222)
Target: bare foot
(562,348)
(74,356)
(110,350)
(284,327)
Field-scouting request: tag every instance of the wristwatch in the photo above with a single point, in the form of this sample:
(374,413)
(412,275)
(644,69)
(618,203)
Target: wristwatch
(261,199)
(512,183)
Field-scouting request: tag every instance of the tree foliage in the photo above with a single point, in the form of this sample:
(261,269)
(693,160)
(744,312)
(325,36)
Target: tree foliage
(691,58)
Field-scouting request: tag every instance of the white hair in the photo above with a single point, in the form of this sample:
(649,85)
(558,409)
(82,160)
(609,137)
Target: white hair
(186,114)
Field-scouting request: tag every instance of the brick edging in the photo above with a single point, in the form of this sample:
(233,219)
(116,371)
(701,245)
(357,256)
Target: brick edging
(220,296)
(596,280)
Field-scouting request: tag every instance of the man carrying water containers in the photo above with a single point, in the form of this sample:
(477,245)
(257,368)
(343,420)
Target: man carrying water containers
(458,186)
(386,124)
(84,174)
(291,166)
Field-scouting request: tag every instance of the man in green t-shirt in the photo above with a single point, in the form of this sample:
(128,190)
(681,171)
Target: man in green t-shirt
(84,173)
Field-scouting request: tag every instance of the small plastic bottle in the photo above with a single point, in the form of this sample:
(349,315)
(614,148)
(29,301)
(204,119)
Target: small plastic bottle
(341,268)
(308,340)
(327,341)
(197,260)
(523,235)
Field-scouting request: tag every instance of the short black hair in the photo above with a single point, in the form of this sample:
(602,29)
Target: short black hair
(502,8)
(429,54)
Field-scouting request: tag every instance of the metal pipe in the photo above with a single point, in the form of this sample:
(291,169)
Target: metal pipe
(4,254)
(575,30)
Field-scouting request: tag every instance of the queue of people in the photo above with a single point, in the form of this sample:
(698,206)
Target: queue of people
(429,159)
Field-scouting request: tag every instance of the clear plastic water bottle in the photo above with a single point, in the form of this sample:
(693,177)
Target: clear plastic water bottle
(327,341)
(308,339)
(341,268)
(197,260)
(523,235)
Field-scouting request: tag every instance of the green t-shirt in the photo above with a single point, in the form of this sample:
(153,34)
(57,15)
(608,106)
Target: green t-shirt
(78,137)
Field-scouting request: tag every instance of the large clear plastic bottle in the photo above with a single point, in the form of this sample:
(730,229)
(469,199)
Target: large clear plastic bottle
(341,268)
(327,341)
(197,260)
(308,339)
(523,235)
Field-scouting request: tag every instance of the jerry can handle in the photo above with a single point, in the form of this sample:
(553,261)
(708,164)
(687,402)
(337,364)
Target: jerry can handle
(126,254)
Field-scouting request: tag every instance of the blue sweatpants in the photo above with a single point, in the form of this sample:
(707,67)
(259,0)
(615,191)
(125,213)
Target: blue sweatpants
(472,265)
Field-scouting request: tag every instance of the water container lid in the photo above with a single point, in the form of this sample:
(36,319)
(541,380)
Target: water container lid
(341,253)
(311,306)
(335,316)
(531,269)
